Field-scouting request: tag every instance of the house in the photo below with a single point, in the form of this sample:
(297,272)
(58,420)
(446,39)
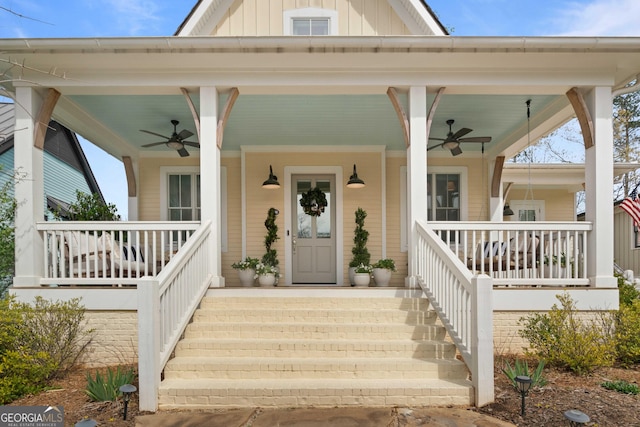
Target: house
(311,94)
(66,169)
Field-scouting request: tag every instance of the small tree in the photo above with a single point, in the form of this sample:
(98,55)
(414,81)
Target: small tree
(90,207)
(360,252)
(8,207)
(271,255)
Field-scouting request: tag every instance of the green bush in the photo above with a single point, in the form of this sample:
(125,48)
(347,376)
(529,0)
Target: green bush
(627,332)
(563,339)
(90,207)
(107,388)
(37,343)
(628,292)
(621,387)
(522,368)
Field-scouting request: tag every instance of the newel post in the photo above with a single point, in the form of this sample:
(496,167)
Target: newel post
(148,344)
(482,339)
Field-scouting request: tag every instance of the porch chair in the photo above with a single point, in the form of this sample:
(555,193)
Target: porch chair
(85,254)
(524,252)
(130,259)
(490,257)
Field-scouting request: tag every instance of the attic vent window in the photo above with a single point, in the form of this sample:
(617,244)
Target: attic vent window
(310,21)
(310,26)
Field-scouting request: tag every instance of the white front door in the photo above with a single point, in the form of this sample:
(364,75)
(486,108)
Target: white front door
(313,237)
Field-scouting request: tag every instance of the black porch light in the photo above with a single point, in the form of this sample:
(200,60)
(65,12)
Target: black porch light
(272,182)
(507,211)
(127,390)
(576,418)
(354,181)
(524,384)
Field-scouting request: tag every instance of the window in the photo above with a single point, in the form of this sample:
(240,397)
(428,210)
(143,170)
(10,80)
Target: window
(310,21)
(636,237)
(527,210)
(180,196)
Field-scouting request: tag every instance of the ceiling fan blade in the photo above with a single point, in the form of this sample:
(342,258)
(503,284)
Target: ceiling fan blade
(456,151)
(183,152)
(437,139)
(462,132)
(434,146)
(153,133)
(184,134)
(191,144)
(153,144)
(476,139)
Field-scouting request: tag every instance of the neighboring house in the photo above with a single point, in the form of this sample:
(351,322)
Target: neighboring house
(316,94)
(66,169)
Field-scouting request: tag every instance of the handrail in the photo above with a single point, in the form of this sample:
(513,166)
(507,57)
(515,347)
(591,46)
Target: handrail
(166,303)
(521,253)
(464,304)
(109,252)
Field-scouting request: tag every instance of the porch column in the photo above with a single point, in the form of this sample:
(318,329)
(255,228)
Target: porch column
(599,189)
(417,171)
(29,191)
(210,177)
(495,199)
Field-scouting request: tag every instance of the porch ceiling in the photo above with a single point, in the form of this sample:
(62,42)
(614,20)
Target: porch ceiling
(311,119)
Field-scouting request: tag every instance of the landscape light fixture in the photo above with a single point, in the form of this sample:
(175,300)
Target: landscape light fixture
(576,418)
(272,182)
(507,211)
(127,390)
(524,384)
(87,422)
(354,181)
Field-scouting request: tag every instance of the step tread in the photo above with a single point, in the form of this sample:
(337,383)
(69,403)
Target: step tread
(306,361)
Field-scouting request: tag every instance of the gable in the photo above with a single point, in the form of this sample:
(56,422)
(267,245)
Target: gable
(266,18)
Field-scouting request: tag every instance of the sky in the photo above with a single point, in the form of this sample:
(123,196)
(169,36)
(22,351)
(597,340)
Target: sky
(125,18)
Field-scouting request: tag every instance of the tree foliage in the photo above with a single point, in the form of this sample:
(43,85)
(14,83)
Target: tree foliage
(626,139)
(90,207)
(8,207)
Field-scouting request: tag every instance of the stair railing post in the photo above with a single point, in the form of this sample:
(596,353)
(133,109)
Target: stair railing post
(482,339)
(148,344)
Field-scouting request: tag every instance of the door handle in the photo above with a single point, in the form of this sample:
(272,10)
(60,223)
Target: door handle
(293,243)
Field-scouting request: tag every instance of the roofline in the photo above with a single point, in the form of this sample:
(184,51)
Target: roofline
(435,17)
(84,163)
(187,18)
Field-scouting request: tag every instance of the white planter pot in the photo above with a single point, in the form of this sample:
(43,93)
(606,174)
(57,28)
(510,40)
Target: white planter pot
(382,276)
(552,271)
(268,279)
(361,279)
(247,277)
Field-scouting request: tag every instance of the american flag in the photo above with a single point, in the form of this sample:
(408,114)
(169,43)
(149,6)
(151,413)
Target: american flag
(631,205)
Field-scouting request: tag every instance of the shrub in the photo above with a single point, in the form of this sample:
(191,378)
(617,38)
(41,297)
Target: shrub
(562,339)
(36,343)
(522,368)
(387,263)
(628,292)
(621,387)
(359,250)
(107,388)
(627,332)
(90,207)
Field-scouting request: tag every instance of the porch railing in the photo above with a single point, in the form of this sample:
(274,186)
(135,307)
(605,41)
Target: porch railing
(521,253)
(464,303)
(109,253)
(166,303)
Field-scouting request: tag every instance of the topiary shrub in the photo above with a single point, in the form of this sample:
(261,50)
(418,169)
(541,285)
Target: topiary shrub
(270,257)
(563,339)
(361,255)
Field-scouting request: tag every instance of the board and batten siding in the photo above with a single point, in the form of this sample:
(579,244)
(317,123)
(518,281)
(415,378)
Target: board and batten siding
(624,252)
(355,17)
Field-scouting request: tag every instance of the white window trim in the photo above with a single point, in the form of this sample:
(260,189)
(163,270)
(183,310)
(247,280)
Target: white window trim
(309,12)
(165,171)
(464,190)
(537,205)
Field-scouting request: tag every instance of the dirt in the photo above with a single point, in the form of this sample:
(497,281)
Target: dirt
(544,406)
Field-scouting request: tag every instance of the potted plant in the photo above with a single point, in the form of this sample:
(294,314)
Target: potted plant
(266,274)
(362,275)
(359,251)
(246,270)
(268,265)
(550,266)
(382,270)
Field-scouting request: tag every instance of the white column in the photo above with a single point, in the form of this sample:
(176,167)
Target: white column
(416,170)
(29,191)
(210,177)
(599,189)
(132,201)
(495,203)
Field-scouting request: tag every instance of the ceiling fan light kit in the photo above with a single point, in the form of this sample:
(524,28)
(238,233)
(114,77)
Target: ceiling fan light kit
(177,141)
(453,140)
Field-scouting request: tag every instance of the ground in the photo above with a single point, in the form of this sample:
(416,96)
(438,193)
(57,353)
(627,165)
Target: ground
(544,406)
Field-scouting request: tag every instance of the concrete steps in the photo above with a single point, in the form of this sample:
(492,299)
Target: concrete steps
(290,351)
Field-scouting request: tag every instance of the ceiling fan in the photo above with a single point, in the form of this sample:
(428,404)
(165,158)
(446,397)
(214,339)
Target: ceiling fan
(453,140)
(175,141)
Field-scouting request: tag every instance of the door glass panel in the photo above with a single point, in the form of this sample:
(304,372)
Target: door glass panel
(185,190)
(526,215)
(304,220)
(174,191)
(323,222)
(447,200)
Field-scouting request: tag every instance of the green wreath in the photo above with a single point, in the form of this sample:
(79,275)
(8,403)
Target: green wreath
(313,202)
